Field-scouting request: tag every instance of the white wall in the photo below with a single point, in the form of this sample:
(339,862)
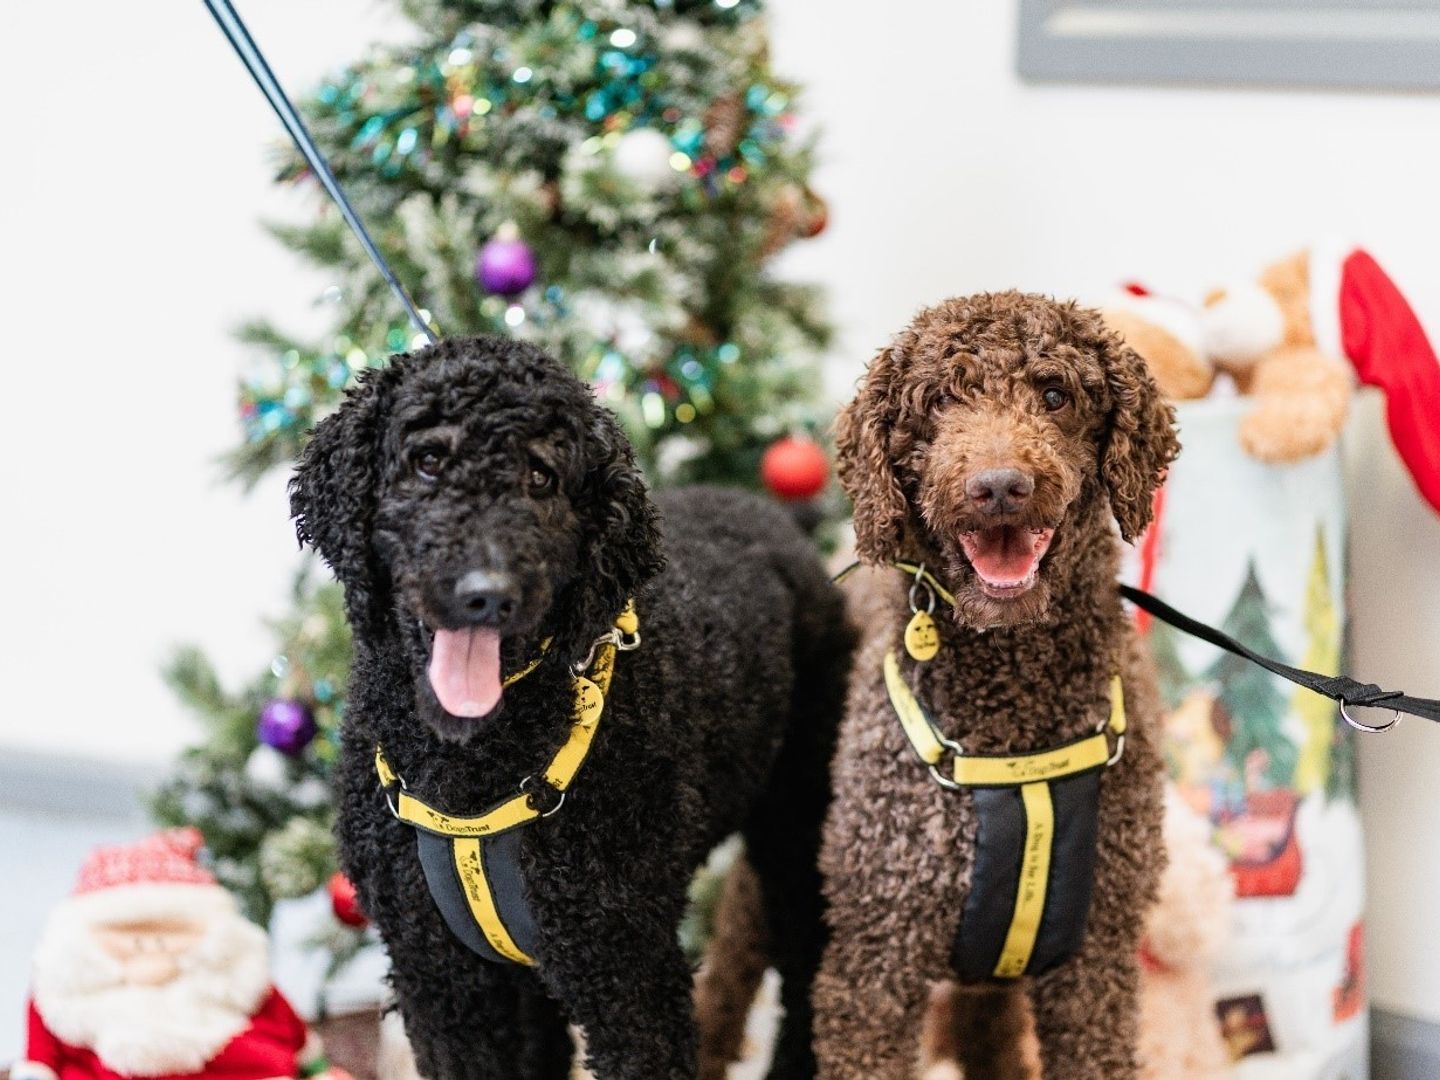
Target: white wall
(135,169)
(133,177)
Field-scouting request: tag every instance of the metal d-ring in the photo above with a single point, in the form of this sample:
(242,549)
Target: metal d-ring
(1119,750)
(954,748)
(1119,742)
(921,583)
(942,780)
(1369,729)
(554,809)
(392,803)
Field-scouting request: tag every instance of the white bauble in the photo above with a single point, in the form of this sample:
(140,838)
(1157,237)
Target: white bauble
(267,769)
(642,156)
(684,35)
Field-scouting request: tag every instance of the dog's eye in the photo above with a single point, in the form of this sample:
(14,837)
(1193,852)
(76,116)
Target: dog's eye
(1055,399)
(542,480)
(429,463)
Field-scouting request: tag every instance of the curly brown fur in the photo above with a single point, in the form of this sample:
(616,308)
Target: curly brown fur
(487,455)
(964,390)
(736,957)
(984,1033)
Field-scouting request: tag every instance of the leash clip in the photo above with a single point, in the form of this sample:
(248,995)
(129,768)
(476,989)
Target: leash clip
(621,641)
(921,583)
(610,637)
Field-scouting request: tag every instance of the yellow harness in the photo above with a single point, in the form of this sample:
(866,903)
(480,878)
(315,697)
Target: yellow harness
(1038,815)
(471,862)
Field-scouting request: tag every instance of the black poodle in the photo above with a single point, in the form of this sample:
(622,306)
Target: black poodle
(477,503)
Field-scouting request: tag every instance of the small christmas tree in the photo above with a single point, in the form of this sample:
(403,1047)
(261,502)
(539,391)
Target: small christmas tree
(1256,706)
(608,179)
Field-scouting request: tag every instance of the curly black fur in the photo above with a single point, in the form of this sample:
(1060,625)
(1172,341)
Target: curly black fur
(723,720)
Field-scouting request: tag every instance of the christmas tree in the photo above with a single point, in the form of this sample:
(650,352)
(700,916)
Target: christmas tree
(607,179)
(1256,706)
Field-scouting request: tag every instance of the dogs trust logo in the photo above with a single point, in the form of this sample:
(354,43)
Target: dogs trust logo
(1023,770)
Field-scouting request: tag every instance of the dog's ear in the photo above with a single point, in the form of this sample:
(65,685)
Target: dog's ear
(334,489)
(864,464)
(1140,441)
(622,531)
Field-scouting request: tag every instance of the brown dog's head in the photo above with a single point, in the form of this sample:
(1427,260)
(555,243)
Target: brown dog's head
(994,433)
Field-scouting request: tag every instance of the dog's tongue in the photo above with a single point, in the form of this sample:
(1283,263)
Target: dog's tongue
(465,670)
(1006,556)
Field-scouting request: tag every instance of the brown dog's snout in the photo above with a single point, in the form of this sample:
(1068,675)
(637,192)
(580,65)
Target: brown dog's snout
(1000,491)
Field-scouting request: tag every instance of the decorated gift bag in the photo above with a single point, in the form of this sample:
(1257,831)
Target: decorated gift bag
(1259,550)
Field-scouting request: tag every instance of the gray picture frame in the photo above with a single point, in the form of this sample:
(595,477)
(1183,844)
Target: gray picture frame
(1359,44)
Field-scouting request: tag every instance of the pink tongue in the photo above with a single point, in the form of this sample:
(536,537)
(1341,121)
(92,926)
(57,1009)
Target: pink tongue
(465,670)
(1005,555)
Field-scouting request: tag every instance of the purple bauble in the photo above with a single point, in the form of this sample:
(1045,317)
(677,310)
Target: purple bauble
(286,725)
(506,265)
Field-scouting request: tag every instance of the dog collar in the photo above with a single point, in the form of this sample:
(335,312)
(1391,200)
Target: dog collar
(471,862)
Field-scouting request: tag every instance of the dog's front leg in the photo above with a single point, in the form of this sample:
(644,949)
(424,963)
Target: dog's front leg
(1086,1012)
(629,990)
(470,1019)
(893,878)
(1087,1009)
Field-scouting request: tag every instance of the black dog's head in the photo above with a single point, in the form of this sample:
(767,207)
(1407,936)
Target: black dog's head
(473,498)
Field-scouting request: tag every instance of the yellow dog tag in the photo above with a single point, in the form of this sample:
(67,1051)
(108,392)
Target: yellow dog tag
(589,701)
(922,639)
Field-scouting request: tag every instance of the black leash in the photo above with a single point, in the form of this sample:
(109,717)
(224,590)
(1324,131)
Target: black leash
(1339,688)
(254,60)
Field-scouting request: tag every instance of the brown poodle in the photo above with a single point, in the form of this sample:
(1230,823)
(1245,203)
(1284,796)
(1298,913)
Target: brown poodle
(999,440)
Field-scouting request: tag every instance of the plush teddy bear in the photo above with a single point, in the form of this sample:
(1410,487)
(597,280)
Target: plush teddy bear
(1168,335)
(1263,335)
(1287,339)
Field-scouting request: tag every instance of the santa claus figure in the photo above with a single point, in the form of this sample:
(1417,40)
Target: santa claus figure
(149,970)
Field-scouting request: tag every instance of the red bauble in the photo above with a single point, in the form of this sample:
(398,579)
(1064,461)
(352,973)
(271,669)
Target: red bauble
(342,899)
(794,468)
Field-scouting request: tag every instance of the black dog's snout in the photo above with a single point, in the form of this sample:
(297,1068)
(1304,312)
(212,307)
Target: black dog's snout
(1000,491)
(484,597)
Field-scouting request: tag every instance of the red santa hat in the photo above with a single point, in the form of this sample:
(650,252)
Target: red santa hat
(168,856)
(1357,312)
(157,876)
